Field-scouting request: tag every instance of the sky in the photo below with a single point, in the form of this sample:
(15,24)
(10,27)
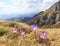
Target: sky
(8,7)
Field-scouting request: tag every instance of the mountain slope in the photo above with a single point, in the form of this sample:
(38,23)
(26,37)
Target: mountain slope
(22,18)
(48,17)
(19,19)
(9,38)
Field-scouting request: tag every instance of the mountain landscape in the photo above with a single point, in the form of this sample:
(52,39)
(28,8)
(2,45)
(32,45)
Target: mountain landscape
(47,18)
(19,19)
(47,21)
(22,18)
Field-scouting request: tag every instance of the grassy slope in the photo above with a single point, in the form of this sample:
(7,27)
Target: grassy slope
(52,34)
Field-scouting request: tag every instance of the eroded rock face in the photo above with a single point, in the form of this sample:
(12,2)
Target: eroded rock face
(56,6)
(49,17)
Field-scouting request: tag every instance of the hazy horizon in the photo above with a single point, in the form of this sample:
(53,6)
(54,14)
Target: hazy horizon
(12,8)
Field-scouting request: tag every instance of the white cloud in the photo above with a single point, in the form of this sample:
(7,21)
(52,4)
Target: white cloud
(47,4)
(50,1)
(23,6)
(2,4)
(15,7)
(19,2)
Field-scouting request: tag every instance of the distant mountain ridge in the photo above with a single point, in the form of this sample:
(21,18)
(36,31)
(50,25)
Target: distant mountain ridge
(19,19)
(48,17)
(24,18)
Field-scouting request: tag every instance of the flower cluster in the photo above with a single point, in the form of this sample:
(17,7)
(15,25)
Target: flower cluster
(22,32)
(14,30)
(42,35)
(34,27)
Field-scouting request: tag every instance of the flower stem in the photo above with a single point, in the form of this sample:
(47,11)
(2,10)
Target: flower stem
(14,35)
(42,44)
(35,36)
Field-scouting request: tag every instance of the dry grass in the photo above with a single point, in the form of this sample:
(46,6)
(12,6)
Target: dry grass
(28,40)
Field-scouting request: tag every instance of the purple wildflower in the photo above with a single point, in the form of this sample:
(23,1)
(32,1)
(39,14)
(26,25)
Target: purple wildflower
(34,27)
(22,32)
(42,35)
(14,30)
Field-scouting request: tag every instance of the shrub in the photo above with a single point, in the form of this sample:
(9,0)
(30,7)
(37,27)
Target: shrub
(2,32)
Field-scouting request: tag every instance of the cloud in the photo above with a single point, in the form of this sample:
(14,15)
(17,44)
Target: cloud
(47,4)
(24,6)
(17,6)
(50,1)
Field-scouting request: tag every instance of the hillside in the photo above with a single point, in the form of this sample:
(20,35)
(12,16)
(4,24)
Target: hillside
(9,39)
(22,18)
(47,21)
(19,19)
(48,17)
(57,25)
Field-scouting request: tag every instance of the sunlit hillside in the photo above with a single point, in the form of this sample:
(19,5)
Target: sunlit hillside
(47,18)
(7,37)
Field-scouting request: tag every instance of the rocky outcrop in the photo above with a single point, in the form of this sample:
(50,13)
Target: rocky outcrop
(48,17)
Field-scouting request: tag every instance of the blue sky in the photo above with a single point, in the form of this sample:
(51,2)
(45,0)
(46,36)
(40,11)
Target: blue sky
(24,6)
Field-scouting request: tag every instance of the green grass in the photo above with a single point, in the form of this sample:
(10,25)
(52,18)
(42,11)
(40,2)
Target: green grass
(2,32)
